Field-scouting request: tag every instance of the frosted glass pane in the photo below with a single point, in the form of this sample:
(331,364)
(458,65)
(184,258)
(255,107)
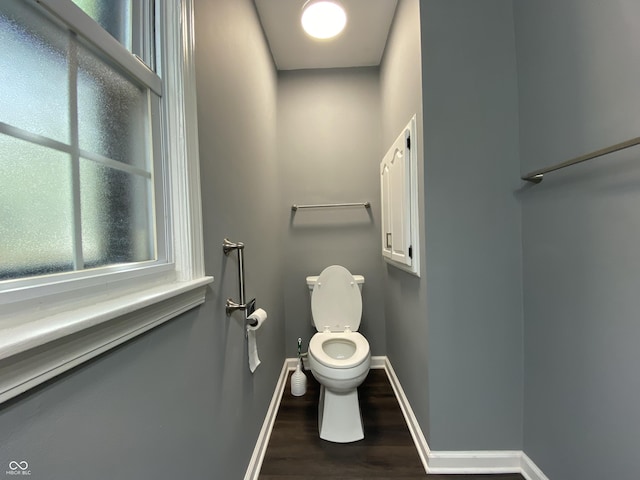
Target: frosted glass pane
(112,112)
(112,15)
(34,93)
(36,215)
(115,216)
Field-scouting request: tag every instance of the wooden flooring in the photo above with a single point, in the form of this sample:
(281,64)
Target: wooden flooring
(296,452)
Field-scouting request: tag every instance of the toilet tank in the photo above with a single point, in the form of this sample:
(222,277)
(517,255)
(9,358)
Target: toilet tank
(311,281)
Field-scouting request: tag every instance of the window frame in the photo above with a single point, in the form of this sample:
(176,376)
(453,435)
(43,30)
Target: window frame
(71,321)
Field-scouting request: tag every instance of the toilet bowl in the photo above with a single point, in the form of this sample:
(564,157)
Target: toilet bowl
(339,356)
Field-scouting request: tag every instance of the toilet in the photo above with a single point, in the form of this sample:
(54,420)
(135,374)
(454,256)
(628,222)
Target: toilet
(339,356)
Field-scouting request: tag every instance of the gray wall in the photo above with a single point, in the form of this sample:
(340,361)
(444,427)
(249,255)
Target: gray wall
(237,100)
(579,69)
(474,272)
(179,401)
(405,294)
(329,152)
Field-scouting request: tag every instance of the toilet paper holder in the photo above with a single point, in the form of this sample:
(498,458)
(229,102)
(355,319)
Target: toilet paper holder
(231,306)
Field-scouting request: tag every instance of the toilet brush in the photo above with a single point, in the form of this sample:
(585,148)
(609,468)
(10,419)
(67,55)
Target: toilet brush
(298,378)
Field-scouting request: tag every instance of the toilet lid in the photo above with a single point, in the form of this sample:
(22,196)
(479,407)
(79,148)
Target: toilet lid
(336,301)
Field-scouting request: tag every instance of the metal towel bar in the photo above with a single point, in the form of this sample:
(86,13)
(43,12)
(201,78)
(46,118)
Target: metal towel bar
(332,205)
(537,175)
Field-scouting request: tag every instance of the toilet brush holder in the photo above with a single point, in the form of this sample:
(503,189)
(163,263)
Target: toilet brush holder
(298,381)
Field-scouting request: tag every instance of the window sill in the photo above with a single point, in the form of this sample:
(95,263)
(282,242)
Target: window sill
(35,351)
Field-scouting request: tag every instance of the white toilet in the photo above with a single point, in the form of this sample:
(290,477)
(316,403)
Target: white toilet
(339,356)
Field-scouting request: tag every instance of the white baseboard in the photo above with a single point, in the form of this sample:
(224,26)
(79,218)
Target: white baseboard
(530,470)
(478,462)
(253,470)
(461,462)
(434,462)
(412,422)
(492,461)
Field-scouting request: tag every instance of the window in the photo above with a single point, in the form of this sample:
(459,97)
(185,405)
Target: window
(97,156)
(76,149)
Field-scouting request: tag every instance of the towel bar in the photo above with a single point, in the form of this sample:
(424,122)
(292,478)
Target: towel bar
(295,207)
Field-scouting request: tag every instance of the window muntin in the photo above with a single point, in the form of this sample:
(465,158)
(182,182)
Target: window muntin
(83,196)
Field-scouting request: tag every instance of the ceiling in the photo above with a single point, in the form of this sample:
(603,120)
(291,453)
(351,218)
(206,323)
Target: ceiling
(361,44)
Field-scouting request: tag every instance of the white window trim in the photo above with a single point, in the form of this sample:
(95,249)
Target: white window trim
(41,343)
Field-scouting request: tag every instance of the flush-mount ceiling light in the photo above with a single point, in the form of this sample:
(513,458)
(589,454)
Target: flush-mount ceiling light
(323,18)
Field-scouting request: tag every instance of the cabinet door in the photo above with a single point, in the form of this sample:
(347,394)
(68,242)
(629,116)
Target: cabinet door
(400,175)
(395,176)
(399,195)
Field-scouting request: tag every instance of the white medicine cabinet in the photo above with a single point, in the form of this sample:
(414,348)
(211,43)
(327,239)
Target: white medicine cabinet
(399,195)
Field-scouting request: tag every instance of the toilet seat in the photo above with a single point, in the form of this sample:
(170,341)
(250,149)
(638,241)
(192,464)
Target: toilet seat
(360,354)
(336,302)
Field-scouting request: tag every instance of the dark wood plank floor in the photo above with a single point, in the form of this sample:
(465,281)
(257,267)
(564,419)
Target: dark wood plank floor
(296,452)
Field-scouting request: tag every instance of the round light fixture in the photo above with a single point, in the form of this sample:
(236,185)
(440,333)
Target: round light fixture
(323,18)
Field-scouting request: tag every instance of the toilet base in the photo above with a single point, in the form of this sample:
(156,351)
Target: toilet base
(339,418)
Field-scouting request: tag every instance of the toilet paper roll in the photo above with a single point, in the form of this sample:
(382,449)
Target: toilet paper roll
(259,316)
